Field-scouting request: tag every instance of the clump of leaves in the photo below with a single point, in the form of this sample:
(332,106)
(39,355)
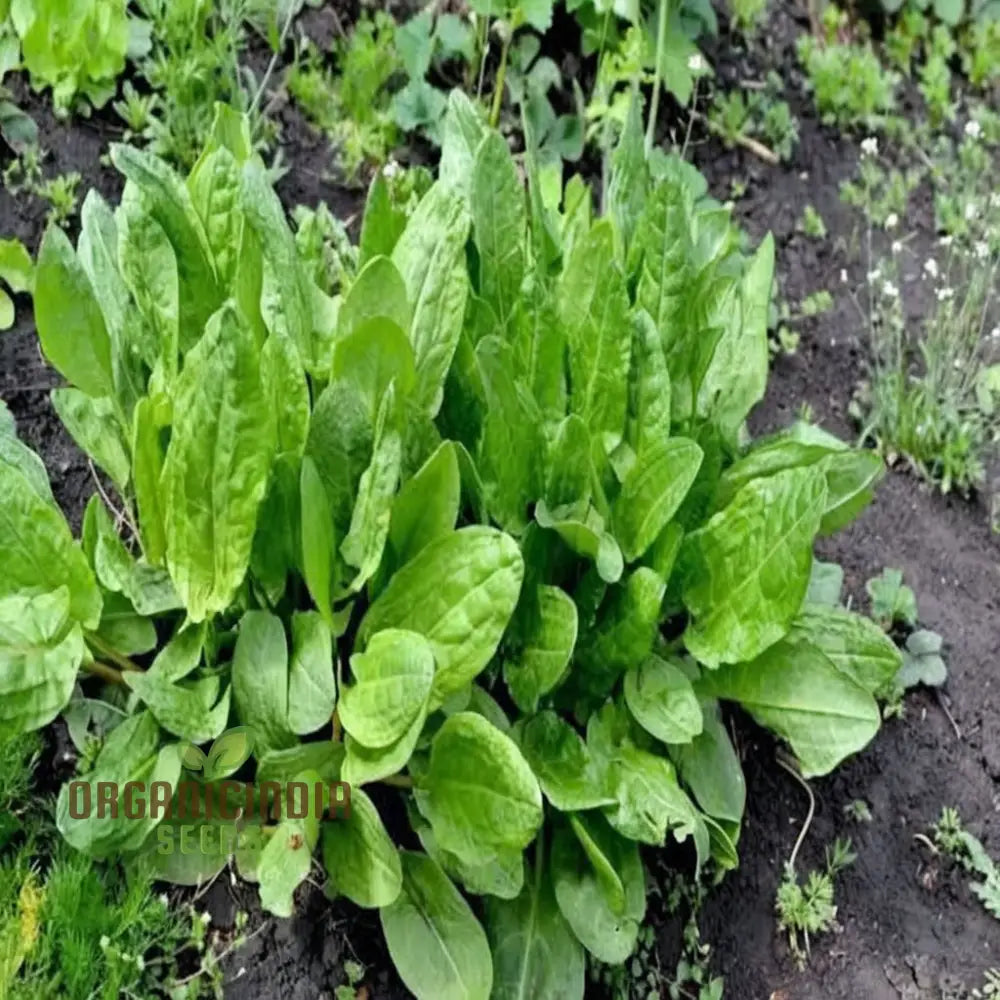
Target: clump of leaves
(893,603)
(756,114)
(809,908)
(951,837)
(849,84)
(17,271)
(460,505)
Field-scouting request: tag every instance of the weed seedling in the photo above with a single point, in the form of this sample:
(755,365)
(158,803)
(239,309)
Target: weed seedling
(952,839)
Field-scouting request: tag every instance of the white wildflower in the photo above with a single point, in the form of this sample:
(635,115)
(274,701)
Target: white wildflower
(995,200)
(945,294)
(945,241)
(869,146)
(164,900)
(982,250)
(970,211)
(897,247)
(995,333)
(206,917)
(105,942)
(931,267)
(874,275)
(973,129)
(889,290)
(843,275)
(892,221)
(696,63)
(391,169)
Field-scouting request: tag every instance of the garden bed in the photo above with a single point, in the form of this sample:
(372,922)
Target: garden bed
(908,926)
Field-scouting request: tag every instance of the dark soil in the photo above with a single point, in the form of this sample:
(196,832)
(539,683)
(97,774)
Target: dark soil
(909,927)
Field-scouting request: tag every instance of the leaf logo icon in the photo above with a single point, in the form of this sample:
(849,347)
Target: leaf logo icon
(226,756)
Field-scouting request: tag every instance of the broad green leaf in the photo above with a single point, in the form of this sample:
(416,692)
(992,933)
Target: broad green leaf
(317,538)
(20,458)
(215,471)
(70,324)
(608,935)
(260,680)
(854,644)
(795,690)
(171,207)
(561,763)
(710,768)
(426,507)
(747,570)
(39,554)
(383,222)
(569,468)
(546,647)
(324,757)
(285,385)
(459,592)
(593,311)
(826,584)
(378,292)
(364,542)
(16,266)
(586,536)
(539,346)
(181,655)
(737,375)
(192,711)
(363,765)
(132,760)
(463,130)
(499,222)
(624,633)
(393,679)
(92,424)
(149,269)
(629,181)
(851,478)
(922,661)
(479,793)
(214,184)
(361,860)
(430,255)
(649,387)
(511,444)
(535,954)
(652,491)
(41,650)
(287,856)
(662,700)
(312,688)
(438,947)
(190,851)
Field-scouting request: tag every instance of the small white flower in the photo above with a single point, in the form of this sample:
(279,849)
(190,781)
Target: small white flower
(945,241)
(995,200)
(869,146)
(931,267)
(945,294)
(873,276)
(889,290)
(970,211)
(843,275)
(164,900)
(897,247)
(206,917)
(995,333)
(696,63)
(982,249)
(973,129)
(391,169)
(892,221)
(105,942)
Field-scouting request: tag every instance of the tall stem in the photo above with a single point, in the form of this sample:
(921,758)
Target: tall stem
(501,79)
(118,659)
(661,45)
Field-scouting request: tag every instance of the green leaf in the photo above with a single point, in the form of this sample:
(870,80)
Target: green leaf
(795,690)
(317,538)
(479,793)
(608,933)
(361,860)
(426,507)
(662,700)
(131,754)
(363,765)
(214,184)
(653,490)
(215,471)
(260,680)
(562,764)
(851,478)
(649,388)
(16,266)
(535,954)
(286,859)
(312,688)
(69,320)
(593,310)
(147,466)
(499,221)
(826,583)
(459,592)
(324,757)
(547,643)
(710,768)
(438,947)
(462,132)
(92,424)
(229,753)
(39,554)
(746,572)
(192,711)
(393,679)
(430,255)
(377,292)
(922,661)
(383,223)
(41,650)
(586,536)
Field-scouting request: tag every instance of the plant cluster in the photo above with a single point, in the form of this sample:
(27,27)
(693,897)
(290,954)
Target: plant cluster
(481,529)
(756,114)
(951,837)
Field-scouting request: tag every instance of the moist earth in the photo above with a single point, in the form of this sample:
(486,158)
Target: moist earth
(908,926)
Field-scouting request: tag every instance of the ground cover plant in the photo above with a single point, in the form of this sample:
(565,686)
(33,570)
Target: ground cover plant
(478,532)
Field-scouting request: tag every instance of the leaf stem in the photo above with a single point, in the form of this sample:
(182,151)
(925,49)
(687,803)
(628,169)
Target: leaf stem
(654,104)
(106,673)
(794,772)
(501,78)
(398,781)
(120,660)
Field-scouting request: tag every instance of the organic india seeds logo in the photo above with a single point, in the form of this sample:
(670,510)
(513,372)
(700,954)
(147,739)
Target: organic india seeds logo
(209,812)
